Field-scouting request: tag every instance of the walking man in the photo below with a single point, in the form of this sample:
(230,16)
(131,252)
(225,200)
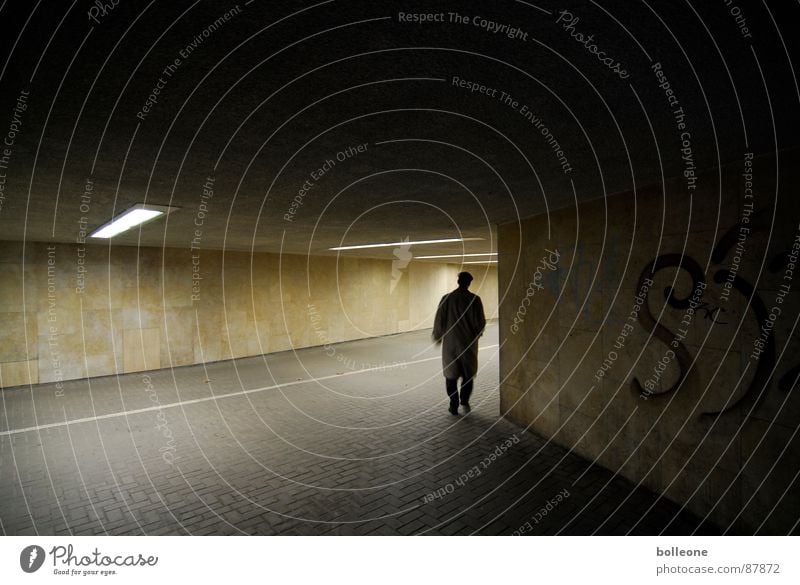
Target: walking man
(458,324)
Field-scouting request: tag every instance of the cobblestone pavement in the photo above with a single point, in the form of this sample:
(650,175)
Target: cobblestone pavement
(318,441)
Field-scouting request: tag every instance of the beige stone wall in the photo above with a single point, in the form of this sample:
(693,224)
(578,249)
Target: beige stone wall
(570,359)
(69,312)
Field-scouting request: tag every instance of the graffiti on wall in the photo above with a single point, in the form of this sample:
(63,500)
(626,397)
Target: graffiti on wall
(733,281)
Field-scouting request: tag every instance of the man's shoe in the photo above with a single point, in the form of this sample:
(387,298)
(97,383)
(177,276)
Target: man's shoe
(466,407)
(453,410)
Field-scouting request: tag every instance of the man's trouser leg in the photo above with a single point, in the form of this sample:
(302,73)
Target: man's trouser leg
(466,390)
(452,391)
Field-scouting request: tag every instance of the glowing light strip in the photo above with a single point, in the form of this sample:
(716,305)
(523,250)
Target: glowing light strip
(454,256)
(411,243)
(135,216)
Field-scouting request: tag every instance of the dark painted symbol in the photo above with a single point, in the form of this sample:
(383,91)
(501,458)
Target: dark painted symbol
(767,360)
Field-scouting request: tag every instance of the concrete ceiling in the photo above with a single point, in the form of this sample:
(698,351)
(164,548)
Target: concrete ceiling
(261,101)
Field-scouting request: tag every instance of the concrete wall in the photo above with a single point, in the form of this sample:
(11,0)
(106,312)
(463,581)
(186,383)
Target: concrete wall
(604,361)
(69,311)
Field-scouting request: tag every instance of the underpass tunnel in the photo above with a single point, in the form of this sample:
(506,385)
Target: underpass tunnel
(226,232)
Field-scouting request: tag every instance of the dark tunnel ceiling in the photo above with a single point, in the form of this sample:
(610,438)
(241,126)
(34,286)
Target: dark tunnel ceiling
(262,101)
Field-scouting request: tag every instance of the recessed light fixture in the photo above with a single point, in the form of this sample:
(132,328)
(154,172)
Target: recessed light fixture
(455,256)
(132,217)
(410,243)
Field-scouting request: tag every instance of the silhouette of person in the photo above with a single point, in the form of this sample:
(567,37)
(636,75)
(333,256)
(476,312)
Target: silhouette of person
(458,324)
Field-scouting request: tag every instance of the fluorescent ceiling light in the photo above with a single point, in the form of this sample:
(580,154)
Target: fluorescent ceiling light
(482,262)
(137,215)
(454,256)
(390,244)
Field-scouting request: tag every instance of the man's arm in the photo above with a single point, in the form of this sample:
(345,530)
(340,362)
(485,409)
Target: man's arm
(480,317)
(439,321)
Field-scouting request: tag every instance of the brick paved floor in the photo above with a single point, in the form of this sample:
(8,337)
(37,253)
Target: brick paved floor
(300,443)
